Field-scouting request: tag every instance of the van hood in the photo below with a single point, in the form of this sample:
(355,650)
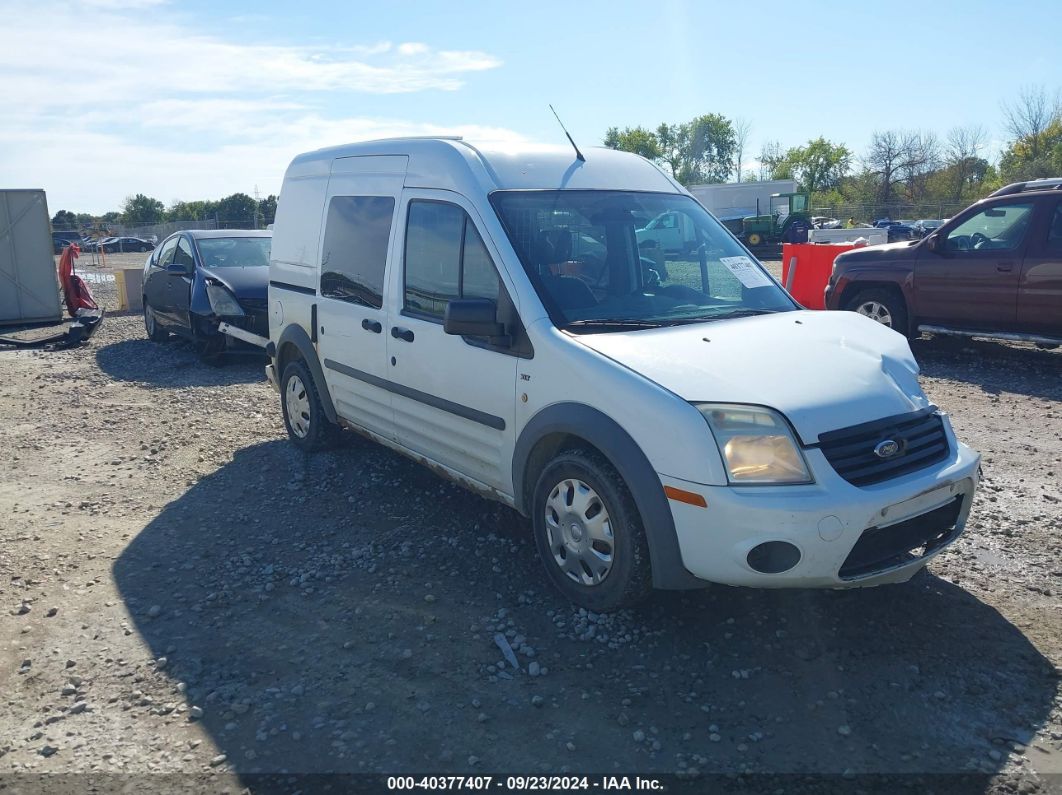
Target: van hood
(822,370)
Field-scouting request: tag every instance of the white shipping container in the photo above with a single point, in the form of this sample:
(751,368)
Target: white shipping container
(734,200)
(29,285)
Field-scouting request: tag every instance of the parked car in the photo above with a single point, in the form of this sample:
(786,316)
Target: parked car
(994,270)
(197,278)
(111,245)
(826,222)
(661,426)
(925,226)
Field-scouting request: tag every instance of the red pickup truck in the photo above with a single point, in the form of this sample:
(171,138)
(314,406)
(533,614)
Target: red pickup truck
(994,270)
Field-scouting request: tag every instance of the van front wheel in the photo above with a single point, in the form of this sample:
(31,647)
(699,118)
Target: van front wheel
(307,425)
(589,534)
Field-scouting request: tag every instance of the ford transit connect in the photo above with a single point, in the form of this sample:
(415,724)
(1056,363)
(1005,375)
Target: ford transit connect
(664,417)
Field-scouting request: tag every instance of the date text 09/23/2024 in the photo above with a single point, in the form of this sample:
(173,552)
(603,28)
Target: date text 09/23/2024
(523,783)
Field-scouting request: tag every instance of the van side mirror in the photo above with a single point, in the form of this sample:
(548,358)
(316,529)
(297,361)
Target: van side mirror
(474,317)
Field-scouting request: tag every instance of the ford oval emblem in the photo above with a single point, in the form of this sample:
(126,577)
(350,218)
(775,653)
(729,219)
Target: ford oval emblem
(886,449)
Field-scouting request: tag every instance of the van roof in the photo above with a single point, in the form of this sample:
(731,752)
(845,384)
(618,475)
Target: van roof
(456,164)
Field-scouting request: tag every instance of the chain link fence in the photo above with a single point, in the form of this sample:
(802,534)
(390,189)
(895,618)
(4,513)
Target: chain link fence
(148,231)
(872,212)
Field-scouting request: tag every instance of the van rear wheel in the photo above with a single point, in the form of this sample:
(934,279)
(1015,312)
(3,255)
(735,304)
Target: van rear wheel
(304,418)
(589,533)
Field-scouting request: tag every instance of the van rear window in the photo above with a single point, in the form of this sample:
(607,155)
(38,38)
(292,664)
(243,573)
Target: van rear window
(355,248)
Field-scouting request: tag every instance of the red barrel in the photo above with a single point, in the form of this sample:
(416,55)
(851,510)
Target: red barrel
(806,268)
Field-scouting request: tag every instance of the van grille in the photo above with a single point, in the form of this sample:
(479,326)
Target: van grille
(919,438)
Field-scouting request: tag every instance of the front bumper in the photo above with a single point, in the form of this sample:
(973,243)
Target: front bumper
(824,522)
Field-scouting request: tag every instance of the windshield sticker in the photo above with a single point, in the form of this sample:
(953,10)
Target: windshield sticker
(748,274)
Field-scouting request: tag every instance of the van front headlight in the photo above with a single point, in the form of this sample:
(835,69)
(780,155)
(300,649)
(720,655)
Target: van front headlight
(757,445)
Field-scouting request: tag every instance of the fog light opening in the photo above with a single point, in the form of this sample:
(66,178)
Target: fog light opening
(773,557)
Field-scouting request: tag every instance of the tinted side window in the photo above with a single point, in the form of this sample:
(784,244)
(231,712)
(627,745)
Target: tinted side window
(183,255)
(1054,231)
(355,248)
(445,259)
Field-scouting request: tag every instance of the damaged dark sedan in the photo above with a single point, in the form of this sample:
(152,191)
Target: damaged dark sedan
(197,279)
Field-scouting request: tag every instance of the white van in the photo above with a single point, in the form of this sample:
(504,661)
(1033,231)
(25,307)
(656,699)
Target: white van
(665,419)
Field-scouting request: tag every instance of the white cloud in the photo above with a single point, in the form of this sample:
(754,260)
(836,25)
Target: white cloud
(91,171)
(129,56)
(148,103)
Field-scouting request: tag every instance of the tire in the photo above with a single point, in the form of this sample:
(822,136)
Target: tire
(601,565)
(151,325)
(304,417)
(753,239)
(883,306)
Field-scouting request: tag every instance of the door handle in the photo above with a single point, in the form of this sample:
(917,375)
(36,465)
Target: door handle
(371,325)
(400,333)
(1005,267)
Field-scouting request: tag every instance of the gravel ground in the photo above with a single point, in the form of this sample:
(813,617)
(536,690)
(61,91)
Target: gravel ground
(183,592)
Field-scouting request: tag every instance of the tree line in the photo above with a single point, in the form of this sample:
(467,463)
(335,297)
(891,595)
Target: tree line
(899,167)
(236,211)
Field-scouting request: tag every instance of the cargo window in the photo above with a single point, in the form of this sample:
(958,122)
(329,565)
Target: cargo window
(445,259)
(354,254)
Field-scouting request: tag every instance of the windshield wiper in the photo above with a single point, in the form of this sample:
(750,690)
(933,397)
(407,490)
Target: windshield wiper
(613,322)
(744,313)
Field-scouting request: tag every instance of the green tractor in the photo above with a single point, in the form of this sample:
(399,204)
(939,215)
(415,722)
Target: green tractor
(785,210)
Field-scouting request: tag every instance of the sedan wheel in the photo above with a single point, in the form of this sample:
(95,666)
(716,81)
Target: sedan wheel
(151,325)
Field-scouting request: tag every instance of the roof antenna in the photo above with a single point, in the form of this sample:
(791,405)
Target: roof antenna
(578,154)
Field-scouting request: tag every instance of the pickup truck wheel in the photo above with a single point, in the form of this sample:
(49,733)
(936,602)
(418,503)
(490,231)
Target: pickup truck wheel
(589,534)
(307,425)
(882,306)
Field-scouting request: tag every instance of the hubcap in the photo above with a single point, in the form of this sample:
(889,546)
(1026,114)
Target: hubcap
(876,311)
(297,406)
(579,532)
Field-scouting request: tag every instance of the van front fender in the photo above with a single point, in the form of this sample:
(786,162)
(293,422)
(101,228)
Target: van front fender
(608,436)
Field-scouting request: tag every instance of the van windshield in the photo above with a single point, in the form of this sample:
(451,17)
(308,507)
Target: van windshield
(612,260)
